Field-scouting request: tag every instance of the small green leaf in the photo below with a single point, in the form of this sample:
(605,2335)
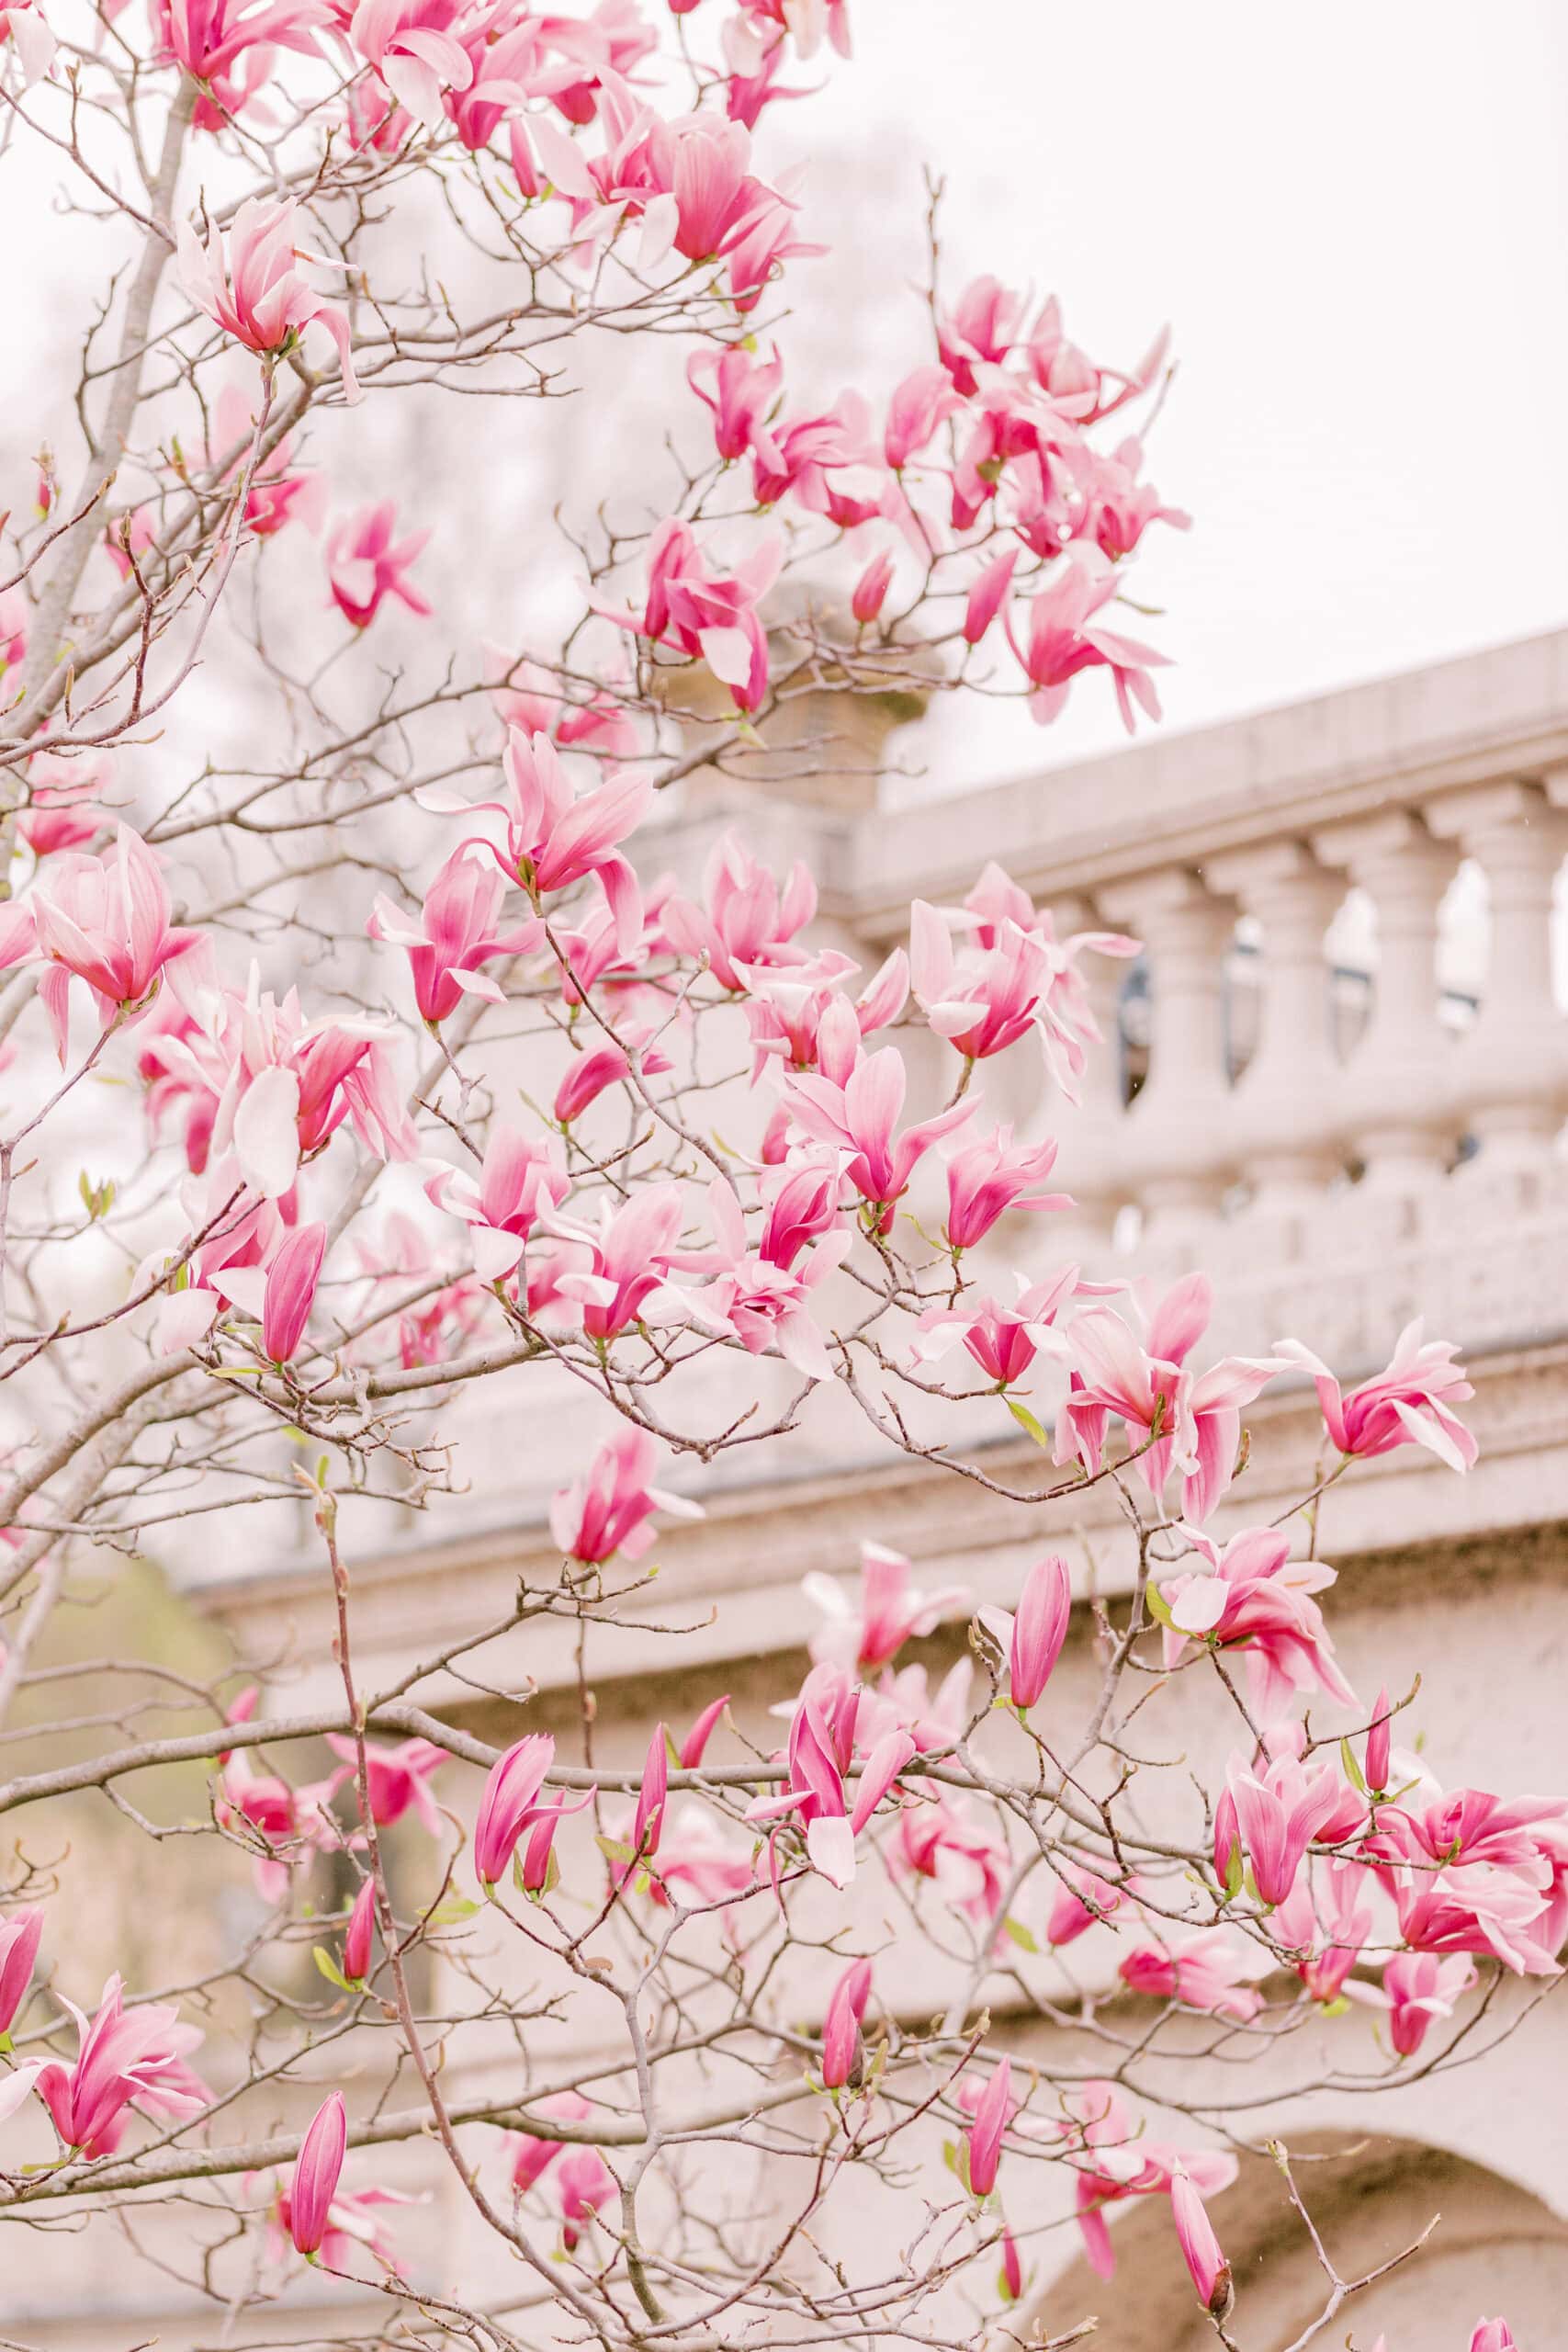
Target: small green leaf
(450,1910)
(1017,1933)
(1026,1420)
(1339,2007)
(615,1849)
(1352,1769)
(1159,1608)
(330,1969)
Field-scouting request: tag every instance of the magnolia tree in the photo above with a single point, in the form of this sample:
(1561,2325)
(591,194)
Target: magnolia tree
(326,925)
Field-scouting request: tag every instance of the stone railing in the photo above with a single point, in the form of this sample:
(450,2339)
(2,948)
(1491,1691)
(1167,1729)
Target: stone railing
(1343,1125)
(1400,1151)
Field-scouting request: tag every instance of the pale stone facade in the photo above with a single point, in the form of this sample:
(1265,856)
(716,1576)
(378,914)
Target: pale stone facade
(1330,1197)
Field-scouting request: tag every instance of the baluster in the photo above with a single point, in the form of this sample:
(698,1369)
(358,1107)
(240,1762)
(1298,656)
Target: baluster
(1177,1153)
(1511,1070)
(1397,1091)
(1284,1112)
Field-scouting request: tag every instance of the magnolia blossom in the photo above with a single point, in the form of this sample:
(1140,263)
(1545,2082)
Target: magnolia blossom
(743,920)
(1114,2157)
(519,1178)
(1031,1641)
(986,1179)
(1210,1971)
(1259,1600)
(607,1510)
(19,1937)
(868,1635)
(706,616)
(398,1778)
(841,2044)
(1201,2249)
(105,921)
(532,2153)
(819,1757)
(244,278)
(983,2146)
(124,2057)
(861,1118)
(1409,1404)
(1192,1422)
(459,929)
(1415,1990)
(316,2172)
(1280,1809)
(366,564)
(508,1804)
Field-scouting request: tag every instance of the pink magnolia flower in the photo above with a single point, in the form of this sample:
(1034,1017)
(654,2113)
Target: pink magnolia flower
(756,1300)
(259,1081)
(366,565)
(1470,1872)
(1379,1767)
(870,592)
(1114,2159)
(398,1778)
(1032,1641)
(982,326)
(19,1939)
(863,1638)
(316,2172)
(965,1858)
(555,838)
(743,920)
(1194,1422)
(63,810)
(277,495)
(741,393)
(290,1289)
(457,931)
(1083,1900)
(1200,2250)
(821,1756)
(988,595)
(1326,1929)
(861,1117)
(798,1016)
(1260,1601)
(983,2142)
(226,45)
(359,1934)
(1005,1340)
(706,616)
(697,1863)
(841,2044)
(1063,639)
(22,23)
(1209,1971)
(608,1508)
(281,1821)
(519,1179)
(527,699)
(990,972)
(986,1177)
(593,1073)
(1072,378)
(245,279)
(509,1802)
(1279,1810)
(533,2155)
(629,1255)
(1417,1988)
(123,2057)
(916,408)
(105,921)
(1408,1404)
(1493,2335)
(585,2184)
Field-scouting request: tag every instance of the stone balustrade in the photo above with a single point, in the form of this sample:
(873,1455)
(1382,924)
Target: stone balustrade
(1421,1162)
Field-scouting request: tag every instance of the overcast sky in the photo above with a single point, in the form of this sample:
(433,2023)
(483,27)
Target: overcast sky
(1356,219)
